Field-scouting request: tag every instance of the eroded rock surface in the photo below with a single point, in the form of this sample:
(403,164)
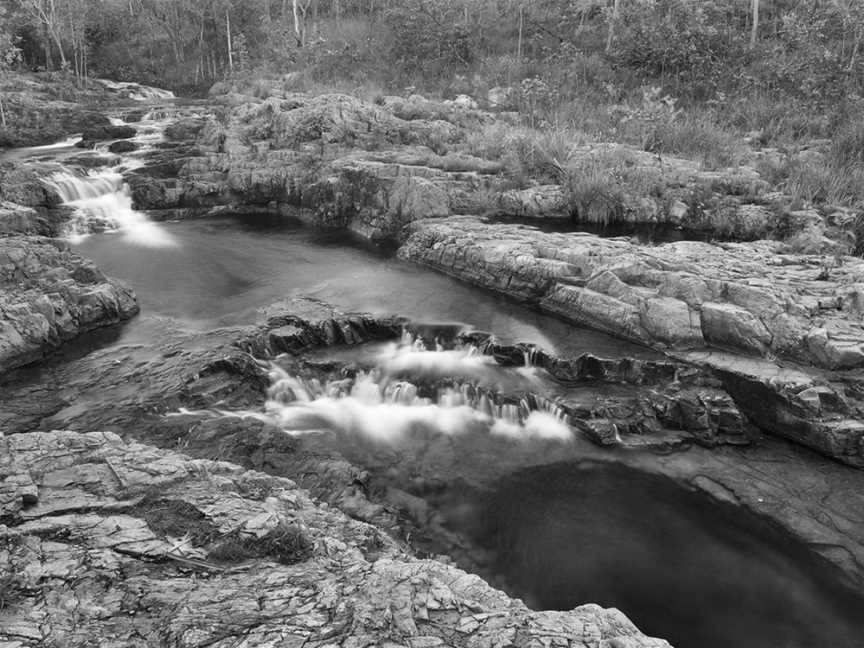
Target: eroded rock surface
(49,295)
(745,297)
(127,545)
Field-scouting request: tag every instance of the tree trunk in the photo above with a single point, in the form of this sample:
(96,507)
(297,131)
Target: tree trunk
(754,27)
(228,32)
(519,42)
(611,35)
(299,12)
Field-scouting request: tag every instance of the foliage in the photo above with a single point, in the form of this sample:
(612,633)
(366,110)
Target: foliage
(692,42)
(608,186)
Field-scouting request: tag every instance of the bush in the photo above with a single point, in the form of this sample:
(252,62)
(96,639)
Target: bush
(680,40)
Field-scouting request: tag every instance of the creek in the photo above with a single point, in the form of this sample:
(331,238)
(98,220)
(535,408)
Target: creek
(508,480)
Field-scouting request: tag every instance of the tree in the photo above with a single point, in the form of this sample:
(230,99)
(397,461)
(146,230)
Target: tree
(10,55)
(754,27)
(45,13)
(299,9)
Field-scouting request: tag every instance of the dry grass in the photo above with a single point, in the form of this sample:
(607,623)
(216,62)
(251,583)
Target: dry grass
(605,187)
(286,544)
(527,153)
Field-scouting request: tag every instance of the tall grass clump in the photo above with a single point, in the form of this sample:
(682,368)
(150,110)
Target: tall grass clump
(527,153)
(610,187)
(840,179)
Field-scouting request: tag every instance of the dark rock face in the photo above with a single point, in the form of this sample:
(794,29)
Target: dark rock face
(122,147)
(48,296)
(90,136)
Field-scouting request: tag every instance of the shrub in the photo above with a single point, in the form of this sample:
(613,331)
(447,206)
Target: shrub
(680,40)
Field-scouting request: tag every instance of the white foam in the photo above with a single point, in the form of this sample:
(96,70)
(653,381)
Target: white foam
(375,406)
(103,202)
(136,91)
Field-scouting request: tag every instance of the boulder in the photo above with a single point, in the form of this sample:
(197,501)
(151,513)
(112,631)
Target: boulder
(49,296)
(123,146)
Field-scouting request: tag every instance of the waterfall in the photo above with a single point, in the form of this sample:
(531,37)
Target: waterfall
(136,91)
(102,201)
(383,404)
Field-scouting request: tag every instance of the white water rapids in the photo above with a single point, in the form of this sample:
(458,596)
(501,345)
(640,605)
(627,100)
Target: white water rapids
(101,199)
(102,202)
(380,405)
(136,91)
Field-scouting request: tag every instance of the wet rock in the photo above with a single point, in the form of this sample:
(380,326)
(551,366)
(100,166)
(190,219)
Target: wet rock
(48,296)
(105,132)
(166,548)
(792,403)
(300,324)
(122,146)
(21,183)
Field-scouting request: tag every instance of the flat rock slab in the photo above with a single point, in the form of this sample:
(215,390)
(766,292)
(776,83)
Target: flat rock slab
(742,296)
(91,557)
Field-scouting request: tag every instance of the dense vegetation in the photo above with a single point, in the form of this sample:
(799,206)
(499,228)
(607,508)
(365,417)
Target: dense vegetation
(690,77)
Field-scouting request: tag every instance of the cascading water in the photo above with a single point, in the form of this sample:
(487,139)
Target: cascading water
(102,202)
(382,405)
(100,198)
(136,91)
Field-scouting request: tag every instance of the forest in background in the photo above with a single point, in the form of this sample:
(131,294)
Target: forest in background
(687,77)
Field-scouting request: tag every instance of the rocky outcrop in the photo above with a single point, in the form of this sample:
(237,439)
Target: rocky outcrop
(747,297)
(45,108)
(49,295)
(205,392)
(744,297)
(127,545)
(375,167)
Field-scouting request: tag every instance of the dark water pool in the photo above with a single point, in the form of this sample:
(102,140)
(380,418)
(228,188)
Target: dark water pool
(222,271)
(681,566)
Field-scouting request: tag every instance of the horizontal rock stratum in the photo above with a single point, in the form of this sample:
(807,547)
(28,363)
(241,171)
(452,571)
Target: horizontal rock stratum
(746,297)
(129,546)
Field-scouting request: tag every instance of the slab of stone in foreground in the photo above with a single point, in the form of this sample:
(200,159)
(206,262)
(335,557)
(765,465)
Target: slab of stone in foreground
(112,544)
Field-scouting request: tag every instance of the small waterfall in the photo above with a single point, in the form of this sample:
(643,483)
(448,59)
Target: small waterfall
(102,202)
(383,404)
(136,91)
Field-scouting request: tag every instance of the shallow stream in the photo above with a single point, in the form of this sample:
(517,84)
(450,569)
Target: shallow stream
(554,529)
